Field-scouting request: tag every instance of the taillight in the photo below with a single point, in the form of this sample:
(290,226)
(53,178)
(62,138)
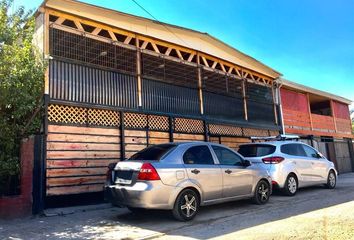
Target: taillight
(148,172)
(274,160)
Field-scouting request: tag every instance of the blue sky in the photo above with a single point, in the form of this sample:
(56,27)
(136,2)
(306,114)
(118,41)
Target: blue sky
(309,41)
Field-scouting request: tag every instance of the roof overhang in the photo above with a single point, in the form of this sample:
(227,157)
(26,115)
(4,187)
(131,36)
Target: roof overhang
(306,89)
(188,38)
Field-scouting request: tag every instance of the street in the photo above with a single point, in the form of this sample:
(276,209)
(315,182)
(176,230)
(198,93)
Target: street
(314,213)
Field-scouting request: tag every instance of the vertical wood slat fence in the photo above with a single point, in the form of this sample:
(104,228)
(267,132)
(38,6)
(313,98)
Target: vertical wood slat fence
(82,142)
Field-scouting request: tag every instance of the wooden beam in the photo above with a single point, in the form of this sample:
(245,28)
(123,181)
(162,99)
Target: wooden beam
(155,47)
(205,61)
(190,58)
(333,116)
(78,25)
(309,110)
(179,54)
(60,20)
(128,39)
(200,91)
(230,70)
(138,71)
(96,31)
(223,67)
(214,65)
(168,51)
(111,34)
(245,111)
(46,51)
(145,43)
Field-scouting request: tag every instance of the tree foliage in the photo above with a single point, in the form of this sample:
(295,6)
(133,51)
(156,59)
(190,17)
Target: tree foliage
(21,83)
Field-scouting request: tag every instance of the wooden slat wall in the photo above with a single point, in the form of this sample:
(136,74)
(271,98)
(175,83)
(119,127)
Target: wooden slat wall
(184,137)
(158,137)
(322,123)
(77,158)
(234,142)
(135,140)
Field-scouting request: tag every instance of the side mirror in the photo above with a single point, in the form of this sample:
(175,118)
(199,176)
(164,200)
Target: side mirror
(246,163)
(319,155)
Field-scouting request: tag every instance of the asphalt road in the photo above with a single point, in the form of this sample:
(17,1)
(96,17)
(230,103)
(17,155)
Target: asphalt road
(314,213)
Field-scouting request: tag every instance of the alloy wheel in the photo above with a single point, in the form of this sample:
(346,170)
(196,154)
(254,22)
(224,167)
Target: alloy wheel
(263,192)
(189,205)
(292,184)
(332,179)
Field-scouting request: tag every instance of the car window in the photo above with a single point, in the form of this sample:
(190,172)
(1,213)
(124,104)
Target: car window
(198,155)
(310,152)
(256,150)
(294,149)
(227,157)
(155,152)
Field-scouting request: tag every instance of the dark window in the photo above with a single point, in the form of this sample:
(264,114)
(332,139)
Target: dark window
(198,155)
(293,149)
(227,157)
(153,153)
(310,152)
(256,150)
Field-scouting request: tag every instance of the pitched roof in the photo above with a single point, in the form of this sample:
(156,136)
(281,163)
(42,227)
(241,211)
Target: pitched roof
(189,38)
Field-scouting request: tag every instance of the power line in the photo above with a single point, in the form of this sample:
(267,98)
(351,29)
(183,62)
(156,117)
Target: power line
(163,24)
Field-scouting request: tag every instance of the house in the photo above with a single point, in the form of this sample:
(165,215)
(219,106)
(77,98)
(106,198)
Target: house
(320,117)
(117,83)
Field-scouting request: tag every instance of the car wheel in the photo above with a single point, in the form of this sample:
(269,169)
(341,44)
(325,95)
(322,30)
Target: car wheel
(136,210)
(291,185)
(186,205)
(331,180)
(261,193)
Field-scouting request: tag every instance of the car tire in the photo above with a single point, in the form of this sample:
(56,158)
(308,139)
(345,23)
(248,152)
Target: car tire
(261,192)
(291,185)
(136,211)
(331,180)
(186,206)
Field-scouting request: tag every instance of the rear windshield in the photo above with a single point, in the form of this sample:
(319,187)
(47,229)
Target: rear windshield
(153,153)
(256,150)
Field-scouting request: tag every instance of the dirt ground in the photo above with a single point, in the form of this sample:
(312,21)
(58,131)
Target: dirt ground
(314,213)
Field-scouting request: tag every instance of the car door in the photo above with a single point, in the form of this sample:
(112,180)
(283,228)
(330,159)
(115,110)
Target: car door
(237,179)
(296,155)
(202,170)
(318,165)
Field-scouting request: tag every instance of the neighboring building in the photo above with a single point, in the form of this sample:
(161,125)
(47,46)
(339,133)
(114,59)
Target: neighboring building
(320,117)
(117,83)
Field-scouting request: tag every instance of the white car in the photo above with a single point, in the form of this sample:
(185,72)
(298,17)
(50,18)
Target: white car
(291,164)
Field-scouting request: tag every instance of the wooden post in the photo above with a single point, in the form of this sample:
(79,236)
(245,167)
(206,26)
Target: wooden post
(275,106)
(122,136)
(244,97)
(138,70)
(200,85)
(46,50)
(333,116)
(309,109)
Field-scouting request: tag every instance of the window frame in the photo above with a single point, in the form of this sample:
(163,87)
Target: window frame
(231,151)
(204,164)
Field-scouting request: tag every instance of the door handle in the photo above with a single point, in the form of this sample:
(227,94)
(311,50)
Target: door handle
(195,171)
(228,171)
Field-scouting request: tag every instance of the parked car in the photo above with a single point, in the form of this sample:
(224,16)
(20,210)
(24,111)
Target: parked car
(184,176)
(291,164)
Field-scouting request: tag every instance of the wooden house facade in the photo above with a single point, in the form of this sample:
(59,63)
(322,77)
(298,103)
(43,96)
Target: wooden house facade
(117,83)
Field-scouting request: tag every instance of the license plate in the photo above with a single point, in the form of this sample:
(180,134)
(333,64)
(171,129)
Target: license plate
(124,177)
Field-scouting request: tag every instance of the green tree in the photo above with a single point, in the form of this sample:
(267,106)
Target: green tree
(21,84)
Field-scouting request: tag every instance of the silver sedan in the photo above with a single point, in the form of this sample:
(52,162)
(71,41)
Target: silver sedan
(184,176)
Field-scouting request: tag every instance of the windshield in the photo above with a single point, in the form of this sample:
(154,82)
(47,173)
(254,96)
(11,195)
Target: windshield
(256,150)
(153,153)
